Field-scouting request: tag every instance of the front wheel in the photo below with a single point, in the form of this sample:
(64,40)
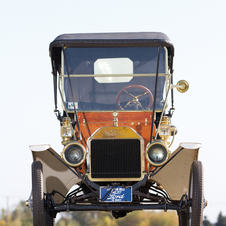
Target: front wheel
(196,194)
(40,215)
(183,218)
(194,214)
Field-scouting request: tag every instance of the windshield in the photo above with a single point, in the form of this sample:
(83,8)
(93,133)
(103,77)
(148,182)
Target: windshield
(108,79)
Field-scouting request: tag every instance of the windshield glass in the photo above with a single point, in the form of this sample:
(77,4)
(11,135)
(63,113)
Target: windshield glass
(106,79)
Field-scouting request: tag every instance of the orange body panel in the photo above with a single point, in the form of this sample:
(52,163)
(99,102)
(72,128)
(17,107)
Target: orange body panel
(139,121)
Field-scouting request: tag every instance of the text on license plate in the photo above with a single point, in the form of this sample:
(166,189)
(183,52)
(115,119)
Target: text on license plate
(116,194)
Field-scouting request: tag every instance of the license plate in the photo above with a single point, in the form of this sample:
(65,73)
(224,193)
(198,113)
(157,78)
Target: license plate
(116,194)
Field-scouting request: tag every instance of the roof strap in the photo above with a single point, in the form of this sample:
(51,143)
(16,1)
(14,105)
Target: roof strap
(156,85)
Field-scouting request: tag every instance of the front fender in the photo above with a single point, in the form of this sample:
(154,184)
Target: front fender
(55,174)
(174,176)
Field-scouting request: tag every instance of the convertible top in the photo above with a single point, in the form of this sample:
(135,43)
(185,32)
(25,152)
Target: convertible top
(123,39)
(130,38)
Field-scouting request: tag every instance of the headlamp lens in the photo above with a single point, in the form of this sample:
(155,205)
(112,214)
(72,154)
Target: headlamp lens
(157,154)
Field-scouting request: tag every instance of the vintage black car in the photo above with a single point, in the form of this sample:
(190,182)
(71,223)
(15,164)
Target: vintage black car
(117,100)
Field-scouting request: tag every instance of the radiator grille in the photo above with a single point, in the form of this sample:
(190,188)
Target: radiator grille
(116,158)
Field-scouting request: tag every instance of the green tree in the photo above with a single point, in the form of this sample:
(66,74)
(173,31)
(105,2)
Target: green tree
(221,221)
(206,222)
(136,218)
(21,216)
(4,217)
(67,221)
(85,218)
(149,218)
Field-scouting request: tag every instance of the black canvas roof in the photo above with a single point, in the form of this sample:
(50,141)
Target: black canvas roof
(130,38)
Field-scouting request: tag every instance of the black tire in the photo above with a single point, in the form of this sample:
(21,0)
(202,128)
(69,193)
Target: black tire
(193,215)
(183,218)
(40,215)
(49,220)
(196,194)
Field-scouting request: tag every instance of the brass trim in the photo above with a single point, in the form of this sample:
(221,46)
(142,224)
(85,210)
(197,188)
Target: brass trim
(115,119)
(65,124)
(115,179)
(182,86)
(111,132)
(165,122)
(128,133)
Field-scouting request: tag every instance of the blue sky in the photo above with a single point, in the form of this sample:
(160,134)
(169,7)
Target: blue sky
(197,29)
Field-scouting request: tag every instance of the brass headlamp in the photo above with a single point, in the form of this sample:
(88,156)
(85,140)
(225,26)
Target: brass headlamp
(74,154)
(157,153)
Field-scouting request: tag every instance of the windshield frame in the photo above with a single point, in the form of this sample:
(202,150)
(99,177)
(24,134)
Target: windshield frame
(64,75)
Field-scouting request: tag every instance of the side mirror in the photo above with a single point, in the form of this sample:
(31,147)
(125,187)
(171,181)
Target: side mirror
(182,86)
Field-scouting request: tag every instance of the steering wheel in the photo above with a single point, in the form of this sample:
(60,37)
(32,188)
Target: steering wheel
(134,100)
